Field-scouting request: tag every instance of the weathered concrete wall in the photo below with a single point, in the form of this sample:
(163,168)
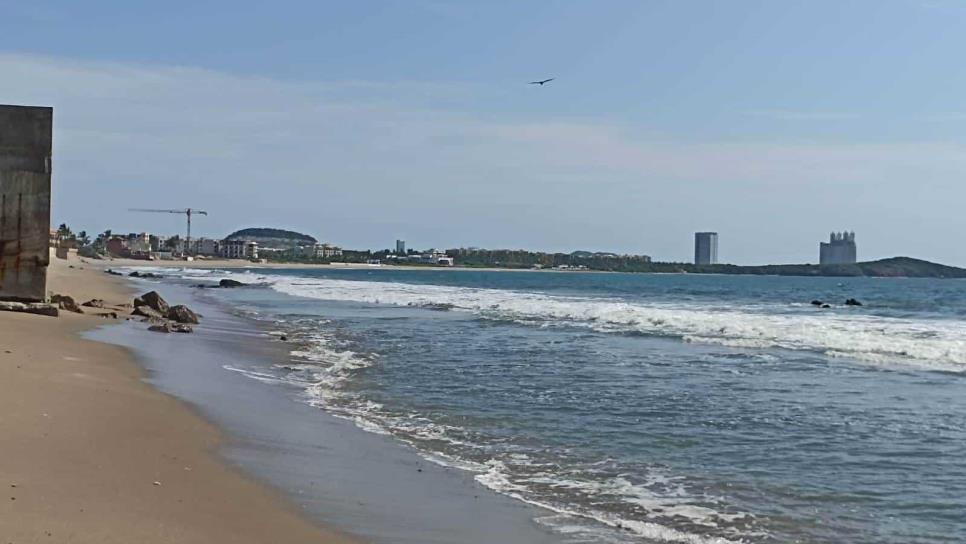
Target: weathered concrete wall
(25,142)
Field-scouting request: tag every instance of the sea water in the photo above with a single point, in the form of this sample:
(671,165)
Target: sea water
(647,408)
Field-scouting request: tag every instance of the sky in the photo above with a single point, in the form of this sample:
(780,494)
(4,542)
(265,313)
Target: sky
(772,123)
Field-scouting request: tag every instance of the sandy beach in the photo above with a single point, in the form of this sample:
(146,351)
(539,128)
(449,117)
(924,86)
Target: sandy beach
(91,453)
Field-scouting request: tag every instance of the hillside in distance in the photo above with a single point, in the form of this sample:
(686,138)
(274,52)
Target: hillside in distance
(894,267)
(898,267)
(273,238)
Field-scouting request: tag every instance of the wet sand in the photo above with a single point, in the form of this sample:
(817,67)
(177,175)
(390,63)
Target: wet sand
(91,453)
(366,484)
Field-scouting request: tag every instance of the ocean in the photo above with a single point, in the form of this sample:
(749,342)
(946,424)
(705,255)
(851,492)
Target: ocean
(642,408)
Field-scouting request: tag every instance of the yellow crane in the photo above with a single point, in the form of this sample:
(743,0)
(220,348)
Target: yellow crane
(186,211)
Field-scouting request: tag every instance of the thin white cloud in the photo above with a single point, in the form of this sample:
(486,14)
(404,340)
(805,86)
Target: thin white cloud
(802,115)
(360,162)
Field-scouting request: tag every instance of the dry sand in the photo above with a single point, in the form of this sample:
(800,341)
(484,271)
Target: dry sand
(90,453)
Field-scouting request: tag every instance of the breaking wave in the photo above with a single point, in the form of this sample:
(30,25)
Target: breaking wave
(929,343)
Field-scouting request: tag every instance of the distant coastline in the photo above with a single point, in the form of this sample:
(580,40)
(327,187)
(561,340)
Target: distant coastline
(894,267)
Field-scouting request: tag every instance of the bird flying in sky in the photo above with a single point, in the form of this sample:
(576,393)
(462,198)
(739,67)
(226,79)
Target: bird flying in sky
(542,82)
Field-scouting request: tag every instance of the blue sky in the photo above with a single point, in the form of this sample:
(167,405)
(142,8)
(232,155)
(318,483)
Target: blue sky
(360,122)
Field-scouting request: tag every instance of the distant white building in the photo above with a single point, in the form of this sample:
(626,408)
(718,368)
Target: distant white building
(239,249)
(327,251)
(437,258)
(319,251)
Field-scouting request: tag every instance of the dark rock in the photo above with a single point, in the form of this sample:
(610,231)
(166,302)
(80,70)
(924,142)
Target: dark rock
(66,302)
(852,302)
(94,303)
(826,305)
(112,272)
(182,314)
(160,327)
(283,338)
(146,311)
(169,327)
(226,283)
(816,303)
(109,315)
(153,300)
(182,328)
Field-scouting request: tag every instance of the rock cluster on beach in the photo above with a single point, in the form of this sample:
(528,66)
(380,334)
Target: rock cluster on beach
(66,302)
(39,308)
(162,316)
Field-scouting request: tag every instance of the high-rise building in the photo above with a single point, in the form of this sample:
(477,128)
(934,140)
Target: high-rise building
(400,247)
(705,248)
(840,249)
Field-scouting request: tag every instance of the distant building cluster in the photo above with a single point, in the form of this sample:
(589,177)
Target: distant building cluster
(705,248)
(433,257)
(150,247)
(840,249)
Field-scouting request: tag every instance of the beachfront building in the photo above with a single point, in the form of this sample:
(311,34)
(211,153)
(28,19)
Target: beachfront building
(139,243)
(206,247)
(705,248)
(239,249)
(117,246)
(840,249)
(400,247)
(434,257)
(318,251)
(326,251)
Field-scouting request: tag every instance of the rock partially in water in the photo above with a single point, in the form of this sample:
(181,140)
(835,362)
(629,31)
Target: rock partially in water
(182,314)
(169,327)
(146,311)
(154,301)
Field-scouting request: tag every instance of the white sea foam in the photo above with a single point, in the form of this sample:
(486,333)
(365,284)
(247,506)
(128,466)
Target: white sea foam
(327,367)
(932,343)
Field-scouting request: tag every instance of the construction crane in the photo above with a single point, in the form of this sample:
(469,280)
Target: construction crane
(187,211)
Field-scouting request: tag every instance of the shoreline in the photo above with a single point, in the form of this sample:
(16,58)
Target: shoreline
(366,484)
(94,453)
(243,264)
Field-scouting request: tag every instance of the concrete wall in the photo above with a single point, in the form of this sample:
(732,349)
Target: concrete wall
(25,143)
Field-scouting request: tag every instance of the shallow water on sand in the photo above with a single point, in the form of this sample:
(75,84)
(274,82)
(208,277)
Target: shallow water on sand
(644,407)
